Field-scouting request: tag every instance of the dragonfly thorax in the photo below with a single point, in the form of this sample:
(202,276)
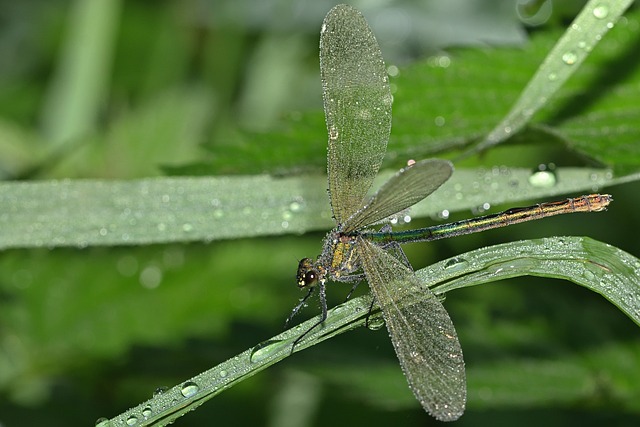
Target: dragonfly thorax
(337,261)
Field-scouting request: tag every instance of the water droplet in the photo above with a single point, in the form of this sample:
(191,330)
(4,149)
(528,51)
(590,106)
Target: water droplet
(151,277)
(601,11)
(411,162)
(588,275)
(102,422)
(333,133)
(456,263)
(444,214)
(393,71)
(132,420)
(266,349)
(146,412)
(187,227)
(569,58)
(375,323)
(544,176)
(439,121)
(189,388)
(223,374)
(295,206)
(479,210)
(160,391)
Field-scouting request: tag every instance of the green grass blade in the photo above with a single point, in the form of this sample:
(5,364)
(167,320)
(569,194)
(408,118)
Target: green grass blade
(159,210)
(602,268)
(596,18)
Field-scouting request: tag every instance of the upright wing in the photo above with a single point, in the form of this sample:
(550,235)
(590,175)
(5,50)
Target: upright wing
(421,332)
(357,107)
(406,188)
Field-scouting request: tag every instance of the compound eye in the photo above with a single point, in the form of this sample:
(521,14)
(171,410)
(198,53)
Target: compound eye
(310,278)
(307,275)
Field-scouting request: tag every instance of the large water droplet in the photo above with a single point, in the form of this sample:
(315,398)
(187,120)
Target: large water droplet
(132,420)
(569,58)
(266,349)
(456,263)
(102,422)
(601,11)
(189,388)
(146,412)
(544,176)
(375,323)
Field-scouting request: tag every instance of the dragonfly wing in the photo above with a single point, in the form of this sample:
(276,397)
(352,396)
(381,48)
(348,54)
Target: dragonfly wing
(403,190)
(421,331)
(357,106)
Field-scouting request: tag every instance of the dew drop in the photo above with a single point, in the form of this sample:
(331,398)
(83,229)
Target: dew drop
(544,176)
(132,420)
(151,277)
(456,263)
(601,11)
(266,349)
(333,133)
(102,422)
(189,388)
(589,275)
(160,391)
(295,206)
(223,374)
(146,412)
(444,214)
(375,323)
(569,58)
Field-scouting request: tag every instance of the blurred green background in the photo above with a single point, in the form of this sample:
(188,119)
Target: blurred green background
(133,88)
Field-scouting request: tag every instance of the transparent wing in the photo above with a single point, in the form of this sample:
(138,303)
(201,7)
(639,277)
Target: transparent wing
(357,106)
(403,190)
(421,331)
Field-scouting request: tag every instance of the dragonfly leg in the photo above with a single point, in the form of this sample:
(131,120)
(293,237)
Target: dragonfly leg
(323,304)
(366,321)
(297,308)
(357,279)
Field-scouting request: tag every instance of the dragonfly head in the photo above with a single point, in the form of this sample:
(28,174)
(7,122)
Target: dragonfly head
(308,274)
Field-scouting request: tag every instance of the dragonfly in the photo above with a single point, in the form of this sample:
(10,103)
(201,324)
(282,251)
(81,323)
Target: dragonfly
(357,104)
